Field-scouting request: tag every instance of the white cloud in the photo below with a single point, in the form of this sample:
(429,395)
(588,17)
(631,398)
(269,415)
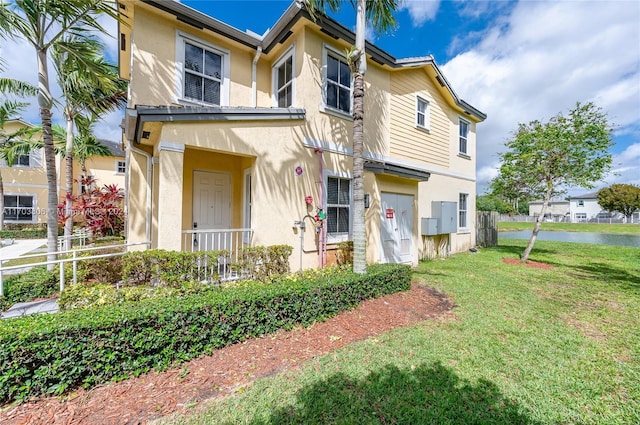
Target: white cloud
(421,11)
(541,59)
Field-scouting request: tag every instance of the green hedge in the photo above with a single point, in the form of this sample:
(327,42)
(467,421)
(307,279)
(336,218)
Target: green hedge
(33,284)
(53,354)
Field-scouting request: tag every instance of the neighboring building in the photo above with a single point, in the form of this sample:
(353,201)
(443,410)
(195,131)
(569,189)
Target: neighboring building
(246,128)
(557,210)
(585,207)
(25,182)
(105,169)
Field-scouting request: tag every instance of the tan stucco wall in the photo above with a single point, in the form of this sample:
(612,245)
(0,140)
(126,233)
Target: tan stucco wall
(272,149)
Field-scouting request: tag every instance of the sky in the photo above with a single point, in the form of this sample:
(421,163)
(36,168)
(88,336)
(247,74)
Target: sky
(517,61)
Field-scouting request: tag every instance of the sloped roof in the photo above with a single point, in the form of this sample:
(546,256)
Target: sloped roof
(114,147)
(282,30)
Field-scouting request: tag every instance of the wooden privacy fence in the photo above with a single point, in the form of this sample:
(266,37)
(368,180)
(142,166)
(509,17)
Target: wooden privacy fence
(487,228)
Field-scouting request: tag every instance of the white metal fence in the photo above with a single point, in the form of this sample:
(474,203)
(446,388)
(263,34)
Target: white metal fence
(67,256)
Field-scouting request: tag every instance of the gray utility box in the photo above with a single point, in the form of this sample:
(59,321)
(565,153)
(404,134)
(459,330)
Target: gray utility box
(443,220)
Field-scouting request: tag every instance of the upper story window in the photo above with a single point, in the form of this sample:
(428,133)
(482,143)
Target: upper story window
(203,72)
(338,82)
(463,210)
(581,203)
(338,208)
(283,80)
(422,113)
(464,134)
(23,160)
(121,167)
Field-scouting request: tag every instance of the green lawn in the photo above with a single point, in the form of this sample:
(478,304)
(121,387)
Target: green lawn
(513,226)
(528,346)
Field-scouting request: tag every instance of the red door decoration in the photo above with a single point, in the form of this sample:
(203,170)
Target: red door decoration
(389,212)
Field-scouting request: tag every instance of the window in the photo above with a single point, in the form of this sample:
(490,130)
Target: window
(464,132)
(18,208)
(422,113)
(581,216)
(121,167)
(337,83)
(22,160)
(283,80)
(202,72)
(581,203)
(462,210)
(338,206)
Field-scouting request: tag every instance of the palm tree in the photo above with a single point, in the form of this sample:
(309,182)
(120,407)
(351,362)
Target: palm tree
(94,89)
(379,14)
(85,143)
(43,24)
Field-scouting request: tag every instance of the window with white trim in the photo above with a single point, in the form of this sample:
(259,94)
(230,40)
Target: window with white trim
(581,203)
(463,218)
(422,113)
(338,82)
(19,208)
(338,206)
(464,134)
(121,167)
(203,72)
(283,80)
(22,160)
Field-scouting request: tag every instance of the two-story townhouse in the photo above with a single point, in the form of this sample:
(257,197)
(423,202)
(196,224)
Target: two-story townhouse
(25,181)
(228,129)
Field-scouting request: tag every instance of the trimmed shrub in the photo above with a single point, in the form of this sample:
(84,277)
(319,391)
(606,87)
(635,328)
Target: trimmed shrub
(33,284)
(260,262)
(53,354)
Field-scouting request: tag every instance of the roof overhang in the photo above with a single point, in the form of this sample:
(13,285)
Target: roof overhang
(396,170)
(136,118)
(329,26)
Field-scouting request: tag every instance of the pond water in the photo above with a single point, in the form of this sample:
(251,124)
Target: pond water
(583,237)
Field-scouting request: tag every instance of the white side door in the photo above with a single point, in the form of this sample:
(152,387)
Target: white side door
(396,222)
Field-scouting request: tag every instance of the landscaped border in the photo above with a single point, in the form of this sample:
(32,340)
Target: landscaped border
(52,354)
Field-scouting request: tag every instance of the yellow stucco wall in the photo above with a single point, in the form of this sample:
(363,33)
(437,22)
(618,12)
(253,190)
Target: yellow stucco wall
(272,149)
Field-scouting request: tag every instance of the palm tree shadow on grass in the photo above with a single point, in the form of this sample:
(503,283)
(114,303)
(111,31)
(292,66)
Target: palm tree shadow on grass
(605,272)
(518,250)
(427,394)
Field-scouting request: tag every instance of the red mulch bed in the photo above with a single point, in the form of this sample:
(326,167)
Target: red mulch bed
(529,263)
(157,394)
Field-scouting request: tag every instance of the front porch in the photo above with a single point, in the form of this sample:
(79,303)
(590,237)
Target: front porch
(201,200)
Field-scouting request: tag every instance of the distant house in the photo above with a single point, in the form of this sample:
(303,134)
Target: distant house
(585,207)
(557,210)
(25,181)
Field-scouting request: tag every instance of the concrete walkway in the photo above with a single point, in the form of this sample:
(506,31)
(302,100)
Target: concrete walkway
(20,247)
(24,309)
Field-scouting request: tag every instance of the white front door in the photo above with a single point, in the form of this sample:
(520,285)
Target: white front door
(211,206)
(396,228)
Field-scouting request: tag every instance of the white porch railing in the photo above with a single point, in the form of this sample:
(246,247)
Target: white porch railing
(69,256)
(231,240)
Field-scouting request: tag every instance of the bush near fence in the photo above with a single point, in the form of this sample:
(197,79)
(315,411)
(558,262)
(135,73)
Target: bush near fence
(82,348)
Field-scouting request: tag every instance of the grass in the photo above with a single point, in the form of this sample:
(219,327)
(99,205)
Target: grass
(628,229)
(526,346)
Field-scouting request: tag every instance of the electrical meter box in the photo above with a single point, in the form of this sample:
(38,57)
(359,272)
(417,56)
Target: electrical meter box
(429,226)
(446,213)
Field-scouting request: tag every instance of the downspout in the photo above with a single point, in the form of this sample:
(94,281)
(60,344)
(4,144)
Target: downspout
(322,236)
(254,87)
(149,178)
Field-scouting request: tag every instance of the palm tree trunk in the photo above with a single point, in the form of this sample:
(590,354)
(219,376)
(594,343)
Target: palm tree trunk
(68,224)
(359,232)
(44,102)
